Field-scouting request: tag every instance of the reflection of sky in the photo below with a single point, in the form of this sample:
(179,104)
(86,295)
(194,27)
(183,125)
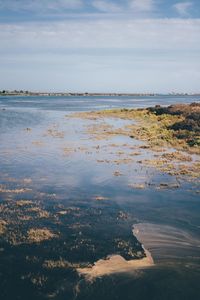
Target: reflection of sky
(76,178)
(98,45)
(68,162)
(74,161)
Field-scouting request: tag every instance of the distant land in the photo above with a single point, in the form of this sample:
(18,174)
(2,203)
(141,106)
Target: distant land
(30,93)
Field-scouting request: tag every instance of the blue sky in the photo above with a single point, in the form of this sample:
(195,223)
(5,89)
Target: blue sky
(100,45)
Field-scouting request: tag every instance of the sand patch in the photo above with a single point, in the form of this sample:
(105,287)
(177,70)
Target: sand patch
(116,264)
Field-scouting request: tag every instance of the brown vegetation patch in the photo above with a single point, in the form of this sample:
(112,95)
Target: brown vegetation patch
(100,131)
(117,173)
(39,280)
(164,185)
(100,198)
(38,143)
(55,133)
(158,126)
(40,212)
(176,156)
(135,154)
(57,264)
(68,151)
(14,191)
(188,128)
(2,226)
(174,168)
(36,235)
(21,203)
(122,161)
(139,186)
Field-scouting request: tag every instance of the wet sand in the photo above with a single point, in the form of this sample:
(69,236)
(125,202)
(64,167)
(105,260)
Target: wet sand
(116,264)
(168,244)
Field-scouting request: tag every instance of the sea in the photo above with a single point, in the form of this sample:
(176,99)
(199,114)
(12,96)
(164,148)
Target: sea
(56,175)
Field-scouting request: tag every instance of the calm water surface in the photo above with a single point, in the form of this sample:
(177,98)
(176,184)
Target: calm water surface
(60,167)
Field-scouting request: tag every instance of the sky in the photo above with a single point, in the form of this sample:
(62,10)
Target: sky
(127,46)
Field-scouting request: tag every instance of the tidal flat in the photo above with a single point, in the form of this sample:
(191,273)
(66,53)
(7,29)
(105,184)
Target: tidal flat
(97,200)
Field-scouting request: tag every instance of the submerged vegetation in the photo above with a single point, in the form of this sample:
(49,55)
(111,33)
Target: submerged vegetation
(43,243)
(60,217)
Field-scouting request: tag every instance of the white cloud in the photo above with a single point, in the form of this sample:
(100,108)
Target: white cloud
(142,5)
(100,53)
(120,34)
(135,6)
(183,8)
(106,6)
(37,5)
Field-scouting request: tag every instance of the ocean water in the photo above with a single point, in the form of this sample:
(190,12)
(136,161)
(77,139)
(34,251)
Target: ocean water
(81,192)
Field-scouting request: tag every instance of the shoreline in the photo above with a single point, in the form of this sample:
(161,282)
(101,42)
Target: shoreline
(116,264)
(29,93)
(171,134)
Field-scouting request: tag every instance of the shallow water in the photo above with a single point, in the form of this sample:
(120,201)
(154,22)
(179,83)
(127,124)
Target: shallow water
(52,160)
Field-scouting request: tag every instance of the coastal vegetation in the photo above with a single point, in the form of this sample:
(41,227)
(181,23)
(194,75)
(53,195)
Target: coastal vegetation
(172,133)
(177,126)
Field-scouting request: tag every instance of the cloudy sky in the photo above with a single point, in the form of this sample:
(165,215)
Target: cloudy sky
(100,45)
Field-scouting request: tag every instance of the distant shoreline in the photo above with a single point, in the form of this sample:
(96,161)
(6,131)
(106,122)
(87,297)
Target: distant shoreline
(57,94)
